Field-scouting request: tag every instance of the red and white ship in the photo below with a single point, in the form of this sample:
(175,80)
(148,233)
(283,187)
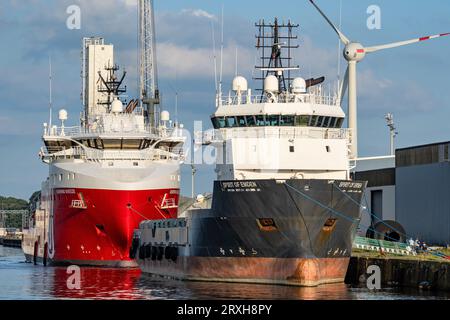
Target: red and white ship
(119,167)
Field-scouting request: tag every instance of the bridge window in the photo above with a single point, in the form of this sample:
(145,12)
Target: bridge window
(333,122)
(250,121)
(218,122)
(231,122)
(241,121)
(131,144)
(320,121)
(287,121)
(112,143)
(260,121)
(273,120)
(301,121)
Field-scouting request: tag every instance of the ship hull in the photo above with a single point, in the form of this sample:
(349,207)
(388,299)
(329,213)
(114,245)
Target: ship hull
(293,232)
(281,271)
(94,226)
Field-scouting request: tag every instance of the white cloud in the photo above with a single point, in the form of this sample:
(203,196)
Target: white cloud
(199,13)
(197,63)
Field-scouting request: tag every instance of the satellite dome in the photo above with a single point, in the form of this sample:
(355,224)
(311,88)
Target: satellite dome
(298,86)
(116,106)
(271,84)
(239,84)
(165,115)
(62,115)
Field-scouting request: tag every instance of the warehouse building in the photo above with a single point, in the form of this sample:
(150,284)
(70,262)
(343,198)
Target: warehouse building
(411,191)
(423,192)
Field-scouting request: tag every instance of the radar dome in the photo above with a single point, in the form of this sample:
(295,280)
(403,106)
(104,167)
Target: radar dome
(116,106)
(298,86)
(62,115)
(240,84)
(165,116)
(271,84)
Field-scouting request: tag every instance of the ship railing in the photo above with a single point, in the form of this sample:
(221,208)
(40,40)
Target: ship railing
(96,155)
(212,136)
(80,131)
(311,98)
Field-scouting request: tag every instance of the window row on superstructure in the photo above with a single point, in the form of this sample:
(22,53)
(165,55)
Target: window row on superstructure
(277,121)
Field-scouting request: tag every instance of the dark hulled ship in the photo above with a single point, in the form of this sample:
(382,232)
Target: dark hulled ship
(284,208)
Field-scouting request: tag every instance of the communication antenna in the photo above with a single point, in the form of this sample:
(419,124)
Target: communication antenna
(148,71)
(193,171)
(392,131)
(221,60)
(214,54)
(236,63)
(50,76)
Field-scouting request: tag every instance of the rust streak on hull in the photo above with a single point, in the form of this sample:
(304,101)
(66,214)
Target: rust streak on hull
(286,271)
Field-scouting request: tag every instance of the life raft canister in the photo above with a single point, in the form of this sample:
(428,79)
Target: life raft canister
(134,247)
(160,253)
(168,253)
(174,254)
(142,252)
(148,251)
(154,253)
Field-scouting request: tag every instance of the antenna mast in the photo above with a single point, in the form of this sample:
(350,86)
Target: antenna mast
(50,92)
(148,80)
(276,41)
(392,130)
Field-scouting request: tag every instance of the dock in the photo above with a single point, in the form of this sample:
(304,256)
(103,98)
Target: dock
(11,242)
(399,266)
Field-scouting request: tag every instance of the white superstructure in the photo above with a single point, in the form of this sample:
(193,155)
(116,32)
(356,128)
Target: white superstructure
(96,57)
(292,130)
(280,136)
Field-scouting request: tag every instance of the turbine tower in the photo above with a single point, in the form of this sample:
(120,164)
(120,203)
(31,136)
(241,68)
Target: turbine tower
(148,71)
(355,52)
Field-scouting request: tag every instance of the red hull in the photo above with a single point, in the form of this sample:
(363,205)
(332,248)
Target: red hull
(101,231)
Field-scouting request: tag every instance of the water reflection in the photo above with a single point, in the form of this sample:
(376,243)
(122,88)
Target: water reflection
(20,280)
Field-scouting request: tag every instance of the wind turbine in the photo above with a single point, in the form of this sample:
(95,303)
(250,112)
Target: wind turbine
(355,52)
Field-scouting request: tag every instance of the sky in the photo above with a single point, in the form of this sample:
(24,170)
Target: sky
(411,82)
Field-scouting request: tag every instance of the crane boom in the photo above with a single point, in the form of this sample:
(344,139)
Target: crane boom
(148,71)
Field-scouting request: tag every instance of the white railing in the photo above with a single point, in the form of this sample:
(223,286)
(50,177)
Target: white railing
(212,136)
(312,98)
(89,154)
(78,131)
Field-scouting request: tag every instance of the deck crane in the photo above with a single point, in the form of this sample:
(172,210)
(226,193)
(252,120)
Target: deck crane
(148,71)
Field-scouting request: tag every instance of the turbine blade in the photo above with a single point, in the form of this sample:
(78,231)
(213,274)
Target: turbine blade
(403,43)
(343,38)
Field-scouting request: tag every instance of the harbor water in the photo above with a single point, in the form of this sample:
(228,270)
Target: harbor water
(21,280)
